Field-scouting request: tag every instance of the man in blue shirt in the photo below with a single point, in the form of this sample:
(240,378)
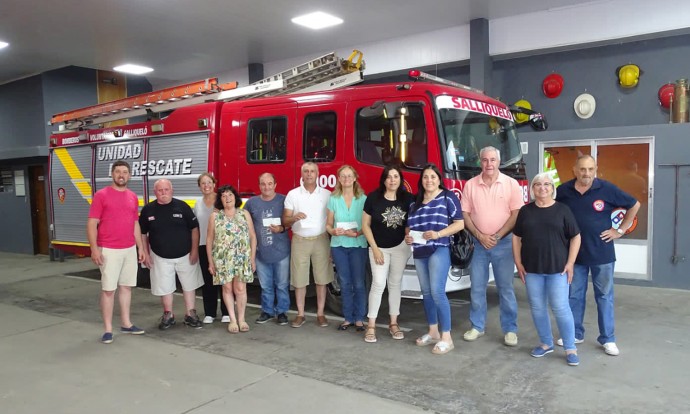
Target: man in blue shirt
(592,201)
(273,250)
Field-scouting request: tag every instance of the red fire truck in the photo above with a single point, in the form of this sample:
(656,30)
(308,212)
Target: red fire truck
(200,127)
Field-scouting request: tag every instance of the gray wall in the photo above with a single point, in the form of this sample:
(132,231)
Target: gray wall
(21,119)
(26,107)
(593,71)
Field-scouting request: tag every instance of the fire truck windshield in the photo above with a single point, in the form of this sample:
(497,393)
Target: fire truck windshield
(466,132)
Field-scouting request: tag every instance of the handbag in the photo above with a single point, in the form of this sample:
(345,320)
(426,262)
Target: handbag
(461,246)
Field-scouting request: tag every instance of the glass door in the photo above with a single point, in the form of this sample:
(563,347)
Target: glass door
(627,163)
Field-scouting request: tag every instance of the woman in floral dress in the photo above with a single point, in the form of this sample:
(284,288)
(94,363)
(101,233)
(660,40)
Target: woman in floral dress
(231,250)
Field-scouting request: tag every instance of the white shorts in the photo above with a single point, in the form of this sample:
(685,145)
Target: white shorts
(119,268)
(163,274)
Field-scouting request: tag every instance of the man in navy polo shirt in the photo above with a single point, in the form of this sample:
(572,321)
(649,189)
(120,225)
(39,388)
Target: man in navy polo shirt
(592,201)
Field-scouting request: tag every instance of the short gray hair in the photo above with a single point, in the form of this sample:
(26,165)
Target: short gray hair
(541,177)
(490,148)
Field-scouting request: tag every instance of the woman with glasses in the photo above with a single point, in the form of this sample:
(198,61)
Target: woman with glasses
(349,246)
(546,240)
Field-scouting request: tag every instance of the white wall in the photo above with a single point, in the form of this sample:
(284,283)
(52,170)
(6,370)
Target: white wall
(593,22)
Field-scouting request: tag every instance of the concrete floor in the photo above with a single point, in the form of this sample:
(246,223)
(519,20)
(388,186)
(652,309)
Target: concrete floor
(52,359)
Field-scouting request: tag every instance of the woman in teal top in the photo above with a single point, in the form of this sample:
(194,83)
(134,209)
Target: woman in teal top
(349,246)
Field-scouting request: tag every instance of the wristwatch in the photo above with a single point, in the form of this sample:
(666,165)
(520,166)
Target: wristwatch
(620,231)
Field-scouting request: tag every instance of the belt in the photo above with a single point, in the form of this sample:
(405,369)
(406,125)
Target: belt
(308,238)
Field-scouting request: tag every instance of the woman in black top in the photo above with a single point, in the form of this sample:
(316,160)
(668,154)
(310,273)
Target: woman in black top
(383,224)
(546,240)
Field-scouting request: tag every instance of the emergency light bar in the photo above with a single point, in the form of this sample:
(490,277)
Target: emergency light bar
(417,75)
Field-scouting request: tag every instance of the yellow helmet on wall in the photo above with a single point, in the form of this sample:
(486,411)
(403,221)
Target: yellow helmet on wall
(522,118)
(628,75)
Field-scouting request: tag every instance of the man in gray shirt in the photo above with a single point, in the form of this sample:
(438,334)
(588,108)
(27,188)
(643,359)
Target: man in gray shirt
(273,250)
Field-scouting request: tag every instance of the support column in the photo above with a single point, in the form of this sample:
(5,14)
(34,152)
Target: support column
(481,65)
(256,72)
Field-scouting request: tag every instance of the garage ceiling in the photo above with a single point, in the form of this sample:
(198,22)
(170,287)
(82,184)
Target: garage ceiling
(184,39)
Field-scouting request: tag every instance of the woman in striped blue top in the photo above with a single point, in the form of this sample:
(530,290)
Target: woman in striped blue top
(434,216)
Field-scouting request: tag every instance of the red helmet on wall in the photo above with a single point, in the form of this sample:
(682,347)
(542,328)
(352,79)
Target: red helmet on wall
(666,94)
(552,86)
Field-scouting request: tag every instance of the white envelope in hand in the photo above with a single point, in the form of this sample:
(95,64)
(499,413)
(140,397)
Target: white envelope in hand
(271,221)
(346,225)
(417,237)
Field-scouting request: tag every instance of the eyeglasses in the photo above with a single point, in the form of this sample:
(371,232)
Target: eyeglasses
(542,185)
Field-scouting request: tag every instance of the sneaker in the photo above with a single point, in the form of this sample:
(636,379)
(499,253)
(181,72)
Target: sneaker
(264,317)
(511,339)
(132,330)
(559,342)
(192,320)
(472,335)
(282,319)
(572,359)
(539,352)
(107,338)
(225,319)
(321,321)
(208,319)
(167,320)
(611,349)
(298,321)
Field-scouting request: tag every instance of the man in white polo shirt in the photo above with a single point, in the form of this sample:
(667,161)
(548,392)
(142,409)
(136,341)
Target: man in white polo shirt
(305,211)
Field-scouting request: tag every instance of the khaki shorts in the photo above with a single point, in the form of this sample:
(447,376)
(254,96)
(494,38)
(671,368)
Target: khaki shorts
(316,250)
(163,274)
(119,268)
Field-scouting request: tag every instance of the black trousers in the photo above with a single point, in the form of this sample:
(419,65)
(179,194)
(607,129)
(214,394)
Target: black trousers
(209,291)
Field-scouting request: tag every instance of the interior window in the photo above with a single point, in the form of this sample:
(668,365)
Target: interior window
(319,137)
(266,142)
(378,135)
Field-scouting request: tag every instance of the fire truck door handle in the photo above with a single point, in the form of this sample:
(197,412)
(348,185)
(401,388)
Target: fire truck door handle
(247,194)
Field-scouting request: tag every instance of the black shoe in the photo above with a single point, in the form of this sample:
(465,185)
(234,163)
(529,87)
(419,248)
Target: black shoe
(282,319)
(167,321)
(192,320)
(264,317)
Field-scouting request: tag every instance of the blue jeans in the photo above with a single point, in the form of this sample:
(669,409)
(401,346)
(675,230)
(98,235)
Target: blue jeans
(275,286)
(351,265)
(432,272)
(501,259)
(551,289)
(602,281)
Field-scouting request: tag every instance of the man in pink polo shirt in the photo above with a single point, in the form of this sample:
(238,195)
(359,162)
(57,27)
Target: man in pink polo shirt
(114,235)
(490,204)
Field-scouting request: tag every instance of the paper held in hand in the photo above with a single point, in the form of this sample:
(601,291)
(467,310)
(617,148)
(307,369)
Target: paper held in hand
(417,237)
(267,222)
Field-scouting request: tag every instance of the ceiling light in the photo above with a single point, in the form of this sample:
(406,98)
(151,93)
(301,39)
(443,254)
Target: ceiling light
(133,69)
(317,20)
(3,45)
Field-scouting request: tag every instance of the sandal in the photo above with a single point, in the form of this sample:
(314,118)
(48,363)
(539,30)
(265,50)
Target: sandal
(244,327)
(370,336)
(343,326)
(426,339)
(442,348)
(395,331)
(359,328)
(233,328)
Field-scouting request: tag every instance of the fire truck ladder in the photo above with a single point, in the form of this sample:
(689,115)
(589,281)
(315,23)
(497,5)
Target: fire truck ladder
(324,73)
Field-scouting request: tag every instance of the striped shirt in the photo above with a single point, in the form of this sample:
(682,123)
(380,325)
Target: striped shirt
(434,216)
